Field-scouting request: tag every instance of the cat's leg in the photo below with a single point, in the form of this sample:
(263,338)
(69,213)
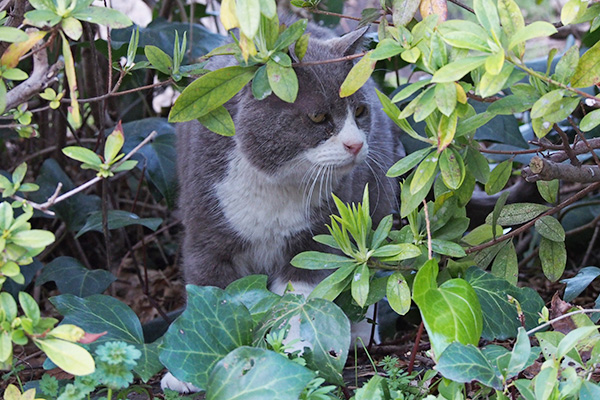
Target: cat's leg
(170,382)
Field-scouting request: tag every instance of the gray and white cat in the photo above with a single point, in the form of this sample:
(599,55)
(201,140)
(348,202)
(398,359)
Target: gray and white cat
(251,202)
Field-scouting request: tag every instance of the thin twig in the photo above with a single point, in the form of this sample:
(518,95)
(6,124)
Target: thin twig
(579,195)
(428,227)
(567,315)
(565,143)
(458,3)
(124,92)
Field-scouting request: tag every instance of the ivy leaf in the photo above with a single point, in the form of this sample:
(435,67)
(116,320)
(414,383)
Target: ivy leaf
(73,278)
(450,312)
(212,325)
(117,219)
(577,284)
(466,363)
(249,373)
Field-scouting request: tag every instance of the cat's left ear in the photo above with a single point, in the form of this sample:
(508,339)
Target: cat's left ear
(351,42)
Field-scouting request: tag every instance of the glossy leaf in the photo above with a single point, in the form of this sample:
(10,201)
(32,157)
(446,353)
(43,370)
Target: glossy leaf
(590,121)
(405,164)
(577,284)
(531,31)
(572,10)
(500,317)
(260,84)
(457,69)
(445,97)
(82,154)
(103,16)
(70,357)
(159,59)
(466,363)
(398,293)
(73,278)
(316,260)
(450,312)
(424,173)
(452,168)
(249,373)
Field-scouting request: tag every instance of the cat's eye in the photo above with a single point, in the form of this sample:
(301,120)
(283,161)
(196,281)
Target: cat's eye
(360,110)
(317,118)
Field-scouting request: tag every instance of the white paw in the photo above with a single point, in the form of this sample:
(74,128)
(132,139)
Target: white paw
(170,382)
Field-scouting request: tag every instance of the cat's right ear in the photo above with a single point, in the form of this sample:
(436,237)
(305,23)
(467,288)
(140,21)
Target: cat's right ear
(351,42)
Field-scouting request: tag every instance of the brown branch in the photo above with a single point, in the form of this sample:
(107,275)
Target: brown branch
(577,196)
(511,152)
(458,3)
(332,14)
(565,143)
(543,169)
(40,78)
(124,92)
(489,99)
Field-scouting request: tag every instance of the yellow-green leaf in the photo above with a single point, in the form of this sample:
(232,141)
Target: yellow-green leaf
(68,356)
(358,76)
(512,20)
(15,51)
(457,69)
(248,15)
(114,143)
(283,81)
(219,121)
(587,72)
(534,30)
(228,15)
(572,10)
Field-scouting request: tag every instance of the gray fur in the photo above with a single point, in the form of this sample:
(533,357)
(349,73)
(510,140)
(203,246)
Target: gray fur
(271,136)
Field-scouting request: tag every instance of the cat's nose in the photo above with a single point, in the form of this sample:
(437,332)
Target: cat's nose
(353,148)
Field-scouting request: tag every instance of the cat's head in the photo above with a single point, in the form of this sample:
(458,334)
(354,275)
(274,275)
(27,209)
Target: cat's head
(318,132)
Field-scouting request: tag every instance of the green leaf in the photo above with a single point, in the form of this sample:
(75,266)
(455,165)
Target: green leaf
(511,104)
(408,200)
(589,390)
(577,284)
(447,248)
(2,96)
(386,48)
(553,256)
(19,173)
(29,307)
(358,75)
(590,121)
(117,219)
(316,260)
(218,121)
(249,373)
(283,81)
(403,11)
(73,278)
(8,305)
(450,313)
(445,97)
(534,30)
(334,284)
(41,18)
(114,143)
(424,173)
(394,113)
(301,46)
(82,154)
(572,10)
(159,59)
(518,213)
(452,168)
(499,177)
(512,20)
(478,165)
(464,34)
(410,90)
(550,228)
(212,325)
(425,104)
(487,15)
(290,35)
(405,164)
(360,284)
(323,327)
(548,190)
(100,313)
(506,264)
(70,357)
(457,69)
(12,35)
(252,292)
(574,338)
(209,92)
(248,15)
(565,68)
(103,16)
(491,84)
(15,74)
(34,238)
(500,318)
(398,293)
(72,28)
(260,84)
(546,382)
(464,364)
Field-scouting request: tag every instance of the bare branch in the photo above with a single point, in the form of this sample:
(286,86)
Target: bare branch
(543,169)
(39,79)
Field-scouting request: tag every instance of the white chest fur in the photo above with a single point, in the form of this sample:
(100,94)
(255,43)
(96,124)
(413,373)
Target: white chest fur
(263,211)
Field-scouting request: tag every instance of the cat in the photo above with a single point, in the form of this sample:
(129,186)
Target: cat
(251,202)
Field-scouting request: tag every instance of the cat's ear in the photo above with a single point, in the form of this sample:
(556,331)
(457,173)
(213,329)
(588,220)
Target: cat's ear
(350,43)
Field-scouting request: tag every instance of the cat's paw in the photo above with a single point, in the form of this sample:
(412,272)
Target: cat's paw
(170,382)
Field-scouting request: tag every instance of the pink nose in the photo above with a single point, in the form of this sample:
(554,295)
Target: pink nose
(353,148)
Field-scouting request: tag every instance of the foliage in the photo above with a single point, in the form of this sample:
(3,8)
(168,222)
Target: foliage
(479,110)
